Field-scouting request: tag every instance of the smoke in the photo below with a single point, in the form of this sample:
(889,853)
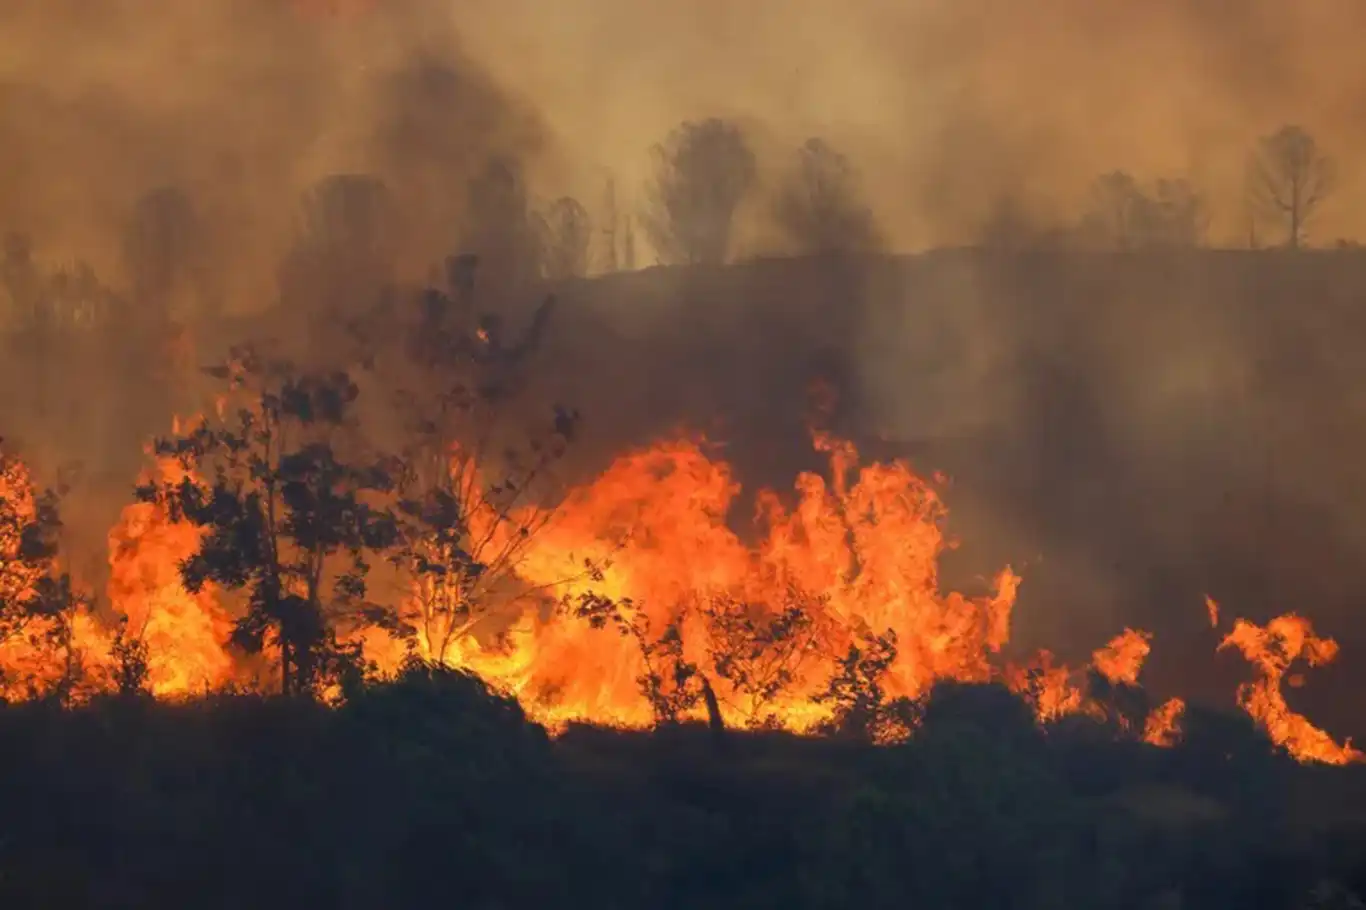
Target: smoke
(949,105)
(244,105)
(946,106)
(1033,388)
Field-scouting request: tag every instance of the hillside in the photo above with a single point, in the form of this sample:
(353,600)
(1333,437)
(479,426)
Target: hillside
(1131,432)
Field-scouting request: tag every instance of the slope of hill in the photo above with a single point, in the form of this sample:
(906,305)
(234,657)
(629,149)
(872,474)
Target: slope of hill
(1132,431)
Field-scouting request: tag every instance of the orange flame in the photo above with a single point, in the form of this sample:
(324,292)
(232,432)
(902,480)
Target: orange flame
(1121,660)
(184,632)
(862,548)
(1273,649)
(857,550)
(1163,724)
(37,655)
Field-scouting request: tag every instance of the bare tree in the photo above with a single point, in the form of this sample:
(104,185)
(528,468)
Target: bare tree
(703,171)
(568,238)
(1289,176)
(822,207)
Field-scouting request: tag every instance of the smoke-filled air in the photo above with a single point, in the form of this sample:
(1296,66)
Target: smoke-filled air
(671,455)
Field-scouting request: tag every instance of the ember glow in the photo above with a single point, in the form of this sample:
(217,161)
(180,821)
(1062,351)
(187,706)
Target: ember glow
(855,551)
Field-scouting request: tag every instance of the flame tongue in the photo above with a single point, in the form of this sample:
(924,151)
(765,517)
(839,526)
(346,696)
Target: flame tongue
(184,633)
(1273,649)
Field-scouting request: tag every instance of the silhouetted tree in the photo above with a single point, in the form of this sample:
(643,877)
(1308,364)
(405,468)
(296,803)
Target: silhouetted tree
(821,206)
(1124,214)
(21,281)
(1289,176)
(1116,203)
(471,481)
(1175,214)
(855,693)
(287,517)
(670,682)
(703,171)
(759,653)
(130,654)
(38,602)
(568,240)
(343,253)
(40,304)
(501,229)
(28,545)
(45,311)
(164,249)
(76,298)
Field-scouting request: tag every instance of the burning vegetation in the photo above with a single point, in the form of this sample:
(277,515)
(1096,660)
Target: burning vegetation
(276,545)
(412,600)
(431,608)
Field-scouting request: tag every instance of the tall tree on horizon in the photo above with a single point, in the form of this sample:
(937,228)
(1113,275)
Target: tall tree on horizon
(821,205)
(1289,177)
(703,172)
(568,239)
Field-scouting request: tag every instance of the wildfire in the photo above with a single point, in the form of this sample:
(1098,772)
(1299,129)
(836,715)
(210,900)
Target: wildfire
(1122,659)
(185,633)
(860,552)
(1273,649)
(37,652)
(850,556)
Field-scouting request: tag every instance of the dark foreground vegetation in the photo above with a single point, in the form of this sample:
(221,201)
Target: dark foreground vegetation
(434,791)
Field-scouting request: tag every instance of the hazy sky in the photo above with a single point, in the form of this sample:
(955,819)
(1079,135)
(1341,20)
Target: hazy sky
(947,105)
